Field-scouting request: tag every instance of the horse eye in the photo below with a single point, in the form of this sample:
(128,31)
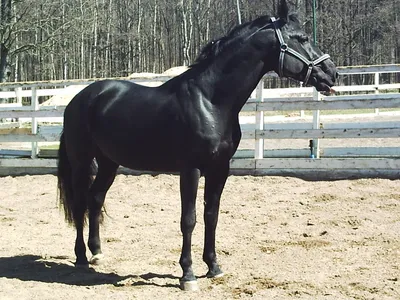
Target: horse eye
(303,39)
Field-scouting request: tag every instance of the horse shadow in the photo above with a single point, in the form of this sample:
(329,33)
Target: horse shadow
(35,268)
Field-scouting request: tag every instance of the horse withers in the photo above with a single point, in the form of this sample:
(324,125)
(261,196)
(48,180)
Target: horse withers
(189,125)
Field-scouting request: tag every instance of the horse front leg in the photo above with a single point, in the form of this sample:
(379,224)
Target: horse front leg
(189,180)
(214,184)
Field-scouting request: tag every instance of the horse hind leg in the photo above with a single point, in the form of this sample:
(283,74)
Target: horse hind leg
(106,173)
(81,180)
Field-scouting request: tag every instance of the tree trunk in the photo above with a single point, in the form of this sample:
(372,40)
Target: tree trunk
(95,40)
(5,24)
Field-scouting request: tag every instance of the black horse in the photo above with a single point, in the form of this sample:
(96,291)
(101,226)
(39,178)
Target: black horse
(188,125)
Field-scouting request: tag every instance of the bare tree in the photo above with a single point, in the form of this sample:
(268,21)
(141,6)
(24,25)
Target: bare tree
(62,39)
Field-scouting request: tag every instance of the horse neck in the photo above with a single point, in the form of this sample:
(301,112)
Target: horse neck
(233,79)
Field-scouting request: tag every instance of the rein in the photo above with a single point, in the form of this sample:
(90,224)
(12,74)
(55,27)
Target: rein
(286,49)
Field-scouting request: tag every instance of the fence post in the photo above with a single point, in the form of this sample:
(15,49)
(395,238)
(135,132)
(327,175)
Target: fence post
(18,97)
(34,107)
(259,143)
(302,114)
(376,83)
(316,123)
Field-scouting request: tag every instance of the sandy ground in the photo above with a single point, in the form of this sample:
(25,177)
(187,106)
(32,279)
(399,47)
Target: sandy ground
(278,238)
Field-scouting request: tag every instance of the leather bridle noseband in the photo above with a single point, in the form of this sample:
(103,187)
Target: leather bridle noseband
(286,49)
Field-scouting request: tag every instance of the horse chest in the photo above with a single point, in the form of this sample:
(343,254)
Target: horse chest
(223,148)
(213,145)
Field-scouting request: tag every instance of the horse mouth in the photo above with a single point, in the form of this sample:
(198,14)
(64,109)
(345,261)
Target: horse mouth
(328,92)
(325,88)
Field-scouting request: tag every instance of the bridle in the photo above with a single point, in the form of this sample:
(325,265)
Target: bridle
(286,49)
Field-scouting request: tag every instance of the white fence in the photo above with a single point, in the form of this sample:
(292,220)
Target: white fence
(296,149)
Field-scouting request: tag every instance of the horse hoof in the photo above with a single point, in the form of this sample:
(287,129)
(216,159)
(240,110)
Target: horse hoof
(216,274)
(97,259)
(219,275)
(189,286)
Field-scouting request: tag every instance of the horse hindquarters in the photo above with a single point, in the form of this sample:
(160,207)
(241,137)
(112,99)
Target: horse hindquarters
(74,180)
(79,193)
(75,169)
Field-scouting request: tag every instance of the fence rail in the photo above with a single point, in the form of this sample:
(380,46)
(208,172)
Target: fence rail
(383,160)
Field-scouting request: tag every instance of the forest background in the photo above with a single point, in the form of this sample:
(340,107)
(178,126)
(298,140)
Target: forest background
(76,39)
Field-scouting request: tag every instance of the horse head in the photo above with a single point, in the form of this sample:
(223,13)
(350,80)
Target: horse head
(297,57)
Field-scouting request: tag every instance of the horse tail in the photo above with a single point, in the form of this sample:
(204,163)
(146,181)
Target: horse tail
(64,176)
(73,206)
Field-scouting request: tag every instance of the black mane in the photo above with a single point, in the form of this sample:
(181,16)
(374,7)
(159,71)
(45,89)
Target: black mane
(237,34)
(213,48)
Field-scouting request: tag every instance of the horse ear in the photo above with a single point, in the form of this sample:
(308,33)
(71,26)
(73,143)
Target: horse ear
(283,11)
